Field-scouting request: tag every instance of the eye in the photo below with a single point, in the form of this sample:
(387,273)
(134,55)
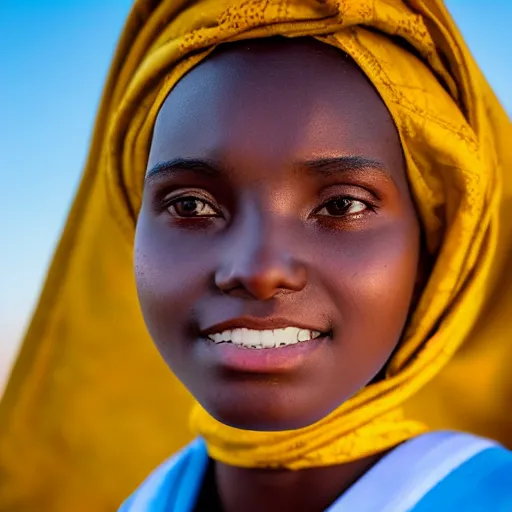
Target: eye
(342,206)
(190,206)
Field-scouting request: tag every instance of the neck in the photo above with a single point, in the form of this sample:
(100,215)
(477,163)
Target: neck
(273,490)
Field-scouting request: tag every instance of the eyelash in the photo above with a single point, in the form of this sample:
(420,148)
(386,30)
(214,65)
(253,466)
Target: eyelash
(366,207)
(169,203)
(207,203)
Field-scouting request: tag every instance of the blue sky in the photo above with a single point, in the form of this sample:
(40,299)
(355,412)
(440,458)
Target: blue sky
(54,56)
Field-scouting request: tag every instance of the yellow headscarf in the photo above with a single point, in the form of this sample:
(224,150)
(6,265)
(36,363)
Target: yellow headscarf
(90,408)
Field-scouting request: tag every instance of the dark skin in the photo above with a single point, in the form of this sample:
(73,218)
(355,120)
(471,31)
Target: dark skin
(276,194)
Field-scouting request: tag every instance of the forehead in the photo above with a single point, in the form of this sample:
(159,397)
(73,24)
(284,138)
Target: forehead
(275,99)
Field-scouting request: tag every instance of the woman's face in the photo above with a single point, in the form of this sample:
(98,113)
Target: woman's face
(277,246)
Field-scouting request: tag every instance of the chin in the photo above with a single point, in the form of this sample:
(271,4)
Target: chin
(268,411)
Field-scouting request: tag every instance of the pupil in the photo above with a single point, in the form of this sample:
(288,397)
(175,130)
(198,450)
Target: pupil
(340,205)
(189,205)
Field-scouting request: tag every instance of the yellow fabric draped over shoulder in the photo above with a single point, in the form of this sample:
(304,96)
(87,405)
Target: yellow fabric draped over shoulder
(90,408)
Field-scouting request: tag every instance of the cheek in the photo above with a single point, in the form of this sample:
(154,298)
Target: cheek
(382,269)
(170,276)
(371,282)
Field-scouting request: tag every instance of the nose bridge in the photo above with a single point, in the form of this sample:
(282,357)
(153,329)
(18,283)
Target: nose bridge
(264,238)
(261,259)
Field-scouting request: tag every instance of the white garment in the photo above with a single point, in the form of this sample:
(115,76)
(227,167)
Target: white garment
(397,483)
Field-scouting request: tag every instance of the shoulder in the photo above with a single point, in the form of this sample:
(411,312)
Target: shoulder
(482,482)
(441,471)
(177,481)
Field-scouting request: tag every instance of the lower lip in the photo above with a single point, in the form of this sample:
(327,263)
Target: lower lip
(264,361)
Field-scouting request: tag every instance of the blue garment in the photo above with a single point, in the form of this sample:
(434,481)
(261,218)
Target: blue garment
(438,471)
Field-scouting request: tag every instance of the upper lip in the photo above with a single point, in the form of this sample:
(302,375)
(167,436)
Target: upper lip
(260,324)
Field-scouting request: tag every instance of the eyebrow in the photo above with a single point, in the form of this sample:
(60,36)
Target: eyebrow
(183,164)
(327,167)
(333,166)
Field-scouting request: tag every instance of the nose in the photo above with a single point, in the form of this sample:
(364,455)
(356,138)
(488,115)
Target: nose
(260,262)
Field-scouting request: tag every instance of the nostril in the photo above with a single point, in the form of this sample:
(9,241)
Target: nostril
(263,281)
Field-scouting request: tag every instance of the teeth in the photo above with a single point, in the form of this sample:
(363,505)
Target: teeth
(251,338)
(268,340)
(236,336)
(304,335)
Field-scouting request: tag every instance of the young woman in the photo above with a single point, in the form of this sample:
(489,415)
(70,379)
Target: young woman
(313,191)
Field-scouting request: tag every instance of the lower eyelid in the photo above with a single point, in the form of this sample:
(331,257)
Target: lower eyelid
(172,199)
(326,204)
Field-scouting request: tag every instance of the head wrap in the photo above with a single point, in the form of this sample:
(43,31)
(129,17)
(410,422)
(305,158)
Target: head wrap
(90,408)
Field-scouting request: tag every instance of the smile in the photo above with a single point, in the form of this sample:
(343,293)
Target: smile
(264,339)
